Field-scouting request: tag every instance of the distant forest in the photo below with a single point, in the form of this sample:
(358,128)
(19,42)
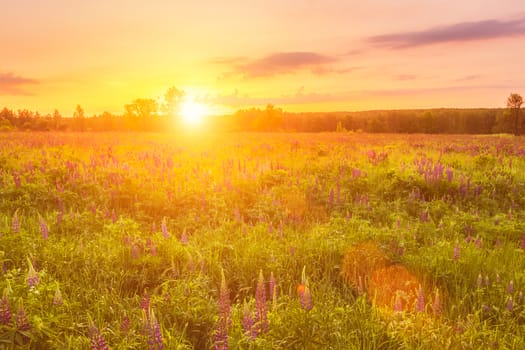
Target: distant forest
(145,115)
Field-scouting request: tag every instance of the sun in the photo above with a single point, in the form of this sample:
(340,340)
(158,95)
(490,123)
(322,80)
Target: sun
(193,112)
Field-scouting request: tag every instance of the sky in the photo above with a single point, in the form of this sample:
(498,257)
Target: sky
(299,55)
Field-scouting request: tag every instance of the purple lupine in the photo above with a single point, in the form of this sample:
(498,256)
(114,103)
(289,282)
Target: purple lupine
(57,298)
(479,281)
(272,286)
(487,281)
(247,322)
(125,325)
(22,322)
(398,305)
(305,298)
(424,217)
(420,303)
(16,222)
(450,174)
(5,309)
(145,304)
(510,287)
(456,252)
(96,340)
(436,306)
(154,333)
(510,304)
(261,317)
(164,228)
(221,333)
(32,275)
(43,228)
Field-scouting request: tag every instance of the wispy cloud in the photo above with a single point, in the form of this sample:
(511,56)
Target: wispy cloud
(458,32)
(280,63)
(11,84)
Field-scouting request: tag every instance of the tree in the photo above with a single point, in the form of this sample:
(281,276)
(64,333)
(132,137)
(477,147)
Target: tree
(141,108)
(56,119)
(79,120)
(514,102)
(172,99)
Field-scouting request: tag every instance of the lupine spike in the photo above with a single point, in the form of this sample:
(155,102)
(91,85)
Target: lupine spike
(398,305)
(436,306)
(420,303)
(306,299)
(261,317)
(164,228)
(510,287)
(22,322)
(57,298)
(96,340)
(32,275)
(43,227)
(248,323)
(456,252)
(5,309)
(479,282)
(155,333)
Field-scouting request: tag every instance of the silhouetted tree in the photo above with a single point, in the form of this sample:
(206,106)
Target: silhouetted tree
(514,102)
(172,100)
(79,119)
(56,119)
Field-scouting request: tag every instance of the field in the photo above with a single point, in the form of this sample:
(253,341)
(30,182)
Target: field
(261,241)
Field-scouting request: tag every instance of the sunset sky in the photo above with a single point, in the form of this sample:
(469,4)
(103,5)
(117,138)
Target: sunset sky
(300,55)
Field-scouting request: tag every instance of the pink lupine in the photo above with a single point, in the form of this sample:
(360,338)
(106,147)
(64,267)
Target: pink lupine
(398,305)
(57,298)
(96,340)
(16,222)
(32,275)
(22,322)
(436,306)
(261,310)
(248,323)
(164,228)
(305,298)
(456,252)
(510,287)
(43,228)
(145,304)
(510,304)
(420,303)
(479,281)
(221,333)
(5,309)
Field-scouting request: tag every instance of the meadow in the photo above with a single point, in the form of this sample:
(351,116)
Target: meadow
(261,241)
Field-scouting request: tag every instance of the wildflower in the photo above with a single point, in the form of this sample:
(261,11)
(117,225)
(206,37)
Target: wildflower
(22,322)
(510,304)
(57,298)
(261,318)
(436,306)
(398,305)
(145,304)
(247,322)
(479,282)
(43,228)
(164,228)
(184,237)
(96,339)
(32,276)
(5,309)
(154,334)
(125,325)
(487,281)
(221,333)
(306,299)
(456,252)
(420,303)
(16,222)
(510,287)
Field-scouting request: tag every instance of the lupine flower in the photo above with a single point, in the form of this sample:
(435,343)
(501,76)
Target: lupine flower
(57,298)
(22,322)
(305,298)
(510,287)
(43,228)
(247,322)
(5,309)
(145,304)
(32,276)
(16,222)
(125,325)
(261,317)
(164,228)
(487,281)
(456,252)
(154,333)
(436,306)
(221,333)
(272,286)
(479,281)
(510,304)
(96,339)
(420,303)
(398,305)
(184,237)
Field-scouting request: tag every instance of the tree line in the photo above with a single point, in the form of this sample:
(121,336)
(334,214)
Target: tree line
(150,115)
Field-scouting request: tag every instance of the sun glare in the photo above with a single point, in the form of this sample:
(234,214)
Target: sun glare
(193,112)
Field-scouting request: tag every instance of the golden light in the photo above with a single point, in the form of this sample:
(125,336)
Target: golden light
(193,112)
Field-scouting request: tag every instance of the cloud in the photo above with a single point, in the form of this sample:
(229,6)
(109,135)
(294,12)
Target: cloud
(279,63)
(11,84)
(459,32)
